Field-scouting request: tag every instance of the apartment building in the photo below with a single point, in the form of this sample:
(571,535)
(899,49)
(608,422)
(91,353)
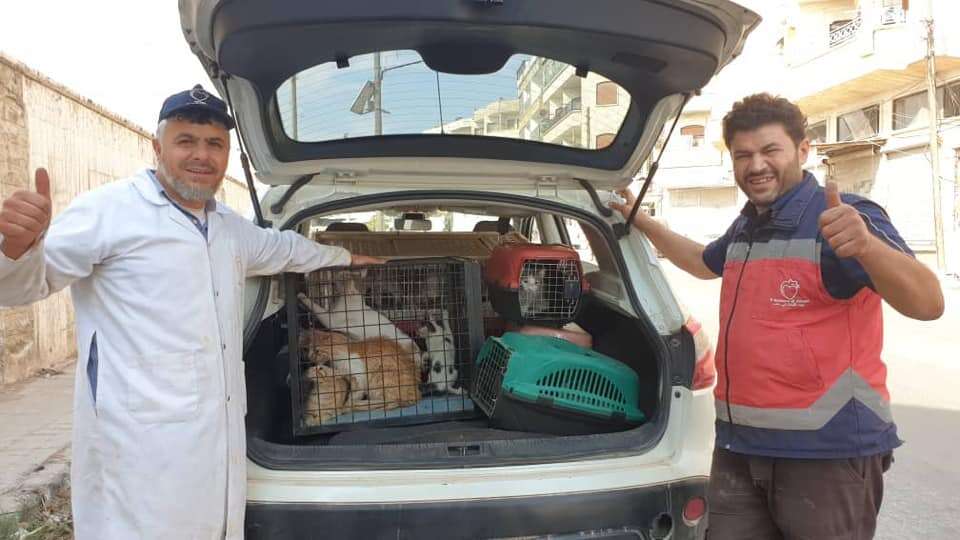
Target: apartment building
(495,119)
(858,69)
(557,106)
(695,192)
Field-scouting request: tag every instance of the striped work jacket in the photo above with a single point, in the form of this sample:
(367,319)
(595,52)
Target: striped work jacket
(799,372)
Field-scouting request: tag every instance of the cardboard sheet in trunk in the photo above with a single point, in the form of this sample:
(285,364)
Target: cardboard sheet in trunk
(476,245)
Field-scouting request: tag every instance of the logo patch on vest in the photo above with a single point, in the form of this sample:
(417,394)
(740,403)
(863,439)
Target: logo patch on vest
(790,295)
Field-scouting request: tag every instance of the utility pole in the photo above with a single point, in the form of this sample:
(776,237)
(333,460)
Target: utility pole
(377,95)
(296,113)
(361,105)
(956,191)
(589,142)
(934,129)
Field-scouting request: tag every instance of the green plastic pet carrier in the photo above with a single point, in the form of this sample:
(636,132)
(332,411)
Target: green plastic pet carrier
(549,385)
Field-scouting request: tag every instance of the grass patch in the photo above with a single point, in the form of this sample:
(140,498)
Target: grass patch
(51,520)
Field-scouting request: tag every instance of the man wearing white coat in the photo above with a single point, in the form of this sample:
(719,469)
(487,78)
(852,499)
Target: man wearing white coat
(156,268)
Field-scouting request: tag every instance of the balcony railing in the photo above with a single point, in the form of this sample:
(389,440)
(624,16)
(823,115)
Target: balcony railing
(544,71)
(559,114)
(551,68)
(846,32)
(523,66)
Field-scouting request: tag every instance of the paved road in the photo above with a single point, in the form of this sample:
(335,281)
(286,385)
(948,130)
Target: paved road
(924,380)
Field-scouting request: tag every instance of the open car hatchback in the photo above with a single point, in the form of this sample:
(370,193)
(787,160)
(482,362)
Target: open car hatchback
(520,367)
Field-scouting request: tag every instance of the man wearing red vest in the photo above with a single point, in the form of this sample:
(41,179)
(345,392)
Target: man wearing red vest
(804,429)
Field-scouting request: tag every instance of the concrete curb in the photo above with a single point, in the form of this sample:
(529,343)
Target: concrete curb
(36,488)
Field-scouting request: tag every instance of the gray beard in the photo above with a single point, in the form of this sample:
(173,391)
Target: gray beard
(185,190)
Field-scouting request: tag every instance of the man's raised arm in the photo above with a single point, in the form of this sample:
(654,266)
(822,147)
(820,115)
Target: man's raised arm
(680,250)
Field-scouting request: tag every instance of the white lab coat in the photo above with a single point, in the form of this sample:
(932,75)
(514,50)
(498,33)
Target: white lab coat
(159,450)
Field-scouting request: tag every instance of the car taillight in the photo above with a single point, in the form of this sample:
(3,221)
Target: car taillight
(704,371)
(694,510)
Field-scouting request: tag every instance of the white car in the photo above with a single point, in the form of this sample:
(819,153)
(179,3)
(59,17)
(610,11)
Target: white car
(435,127)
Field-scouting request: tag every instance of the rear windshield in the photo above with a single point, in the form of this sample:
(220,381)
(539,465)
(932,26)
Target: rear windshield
(395,93)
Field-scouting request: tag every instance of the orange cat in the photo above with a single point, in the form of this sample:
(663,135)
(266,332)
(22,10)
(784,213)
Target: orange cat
(326,396)
(382,375)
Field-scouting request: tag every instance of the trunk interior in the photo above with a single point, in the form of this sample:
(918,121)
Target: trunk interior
(468,437)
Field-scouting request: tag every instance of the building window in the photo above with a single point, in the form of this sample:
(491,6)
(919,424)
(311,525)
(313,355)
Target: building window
(951,100)
(606,93)
(911,111)
(722,197)
(817,133)
(693,135)
(604,139)
(836,25)
(860,124)
(894,11)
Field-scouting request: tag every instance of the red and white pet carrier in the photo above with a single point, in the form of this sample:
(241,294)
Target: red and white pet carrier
(535,284)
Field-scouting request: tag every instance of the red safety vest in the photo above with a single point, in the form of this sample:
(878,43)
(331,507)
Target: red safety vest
(799,372)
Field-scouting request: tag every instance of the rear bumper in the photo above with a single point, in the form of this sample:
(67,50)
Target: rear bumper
(624,514)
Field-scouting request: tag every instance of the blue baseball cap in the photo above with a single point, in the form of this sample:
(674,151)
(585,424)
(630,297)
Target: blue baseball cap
(197,99)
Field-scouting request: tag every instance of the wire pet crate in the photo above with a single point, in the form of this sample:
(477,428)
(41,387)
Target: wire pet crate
(388,344)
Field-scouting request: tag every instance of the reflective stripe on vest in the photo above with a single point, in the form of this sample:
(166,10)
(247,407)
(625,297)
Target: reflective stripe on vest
(817,415)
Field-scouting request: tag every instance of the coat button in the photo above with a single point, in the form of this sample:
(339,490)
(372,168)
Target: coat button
(224,346)
(216,293)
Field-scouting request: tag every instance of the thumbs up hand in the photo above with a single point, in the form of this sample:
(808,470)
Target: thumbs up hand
(842,226)
(832,193)
(25,216)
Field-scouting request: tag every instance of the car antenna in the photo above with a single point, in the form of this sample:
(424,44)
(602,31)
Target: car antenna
(244,160)
(623,229)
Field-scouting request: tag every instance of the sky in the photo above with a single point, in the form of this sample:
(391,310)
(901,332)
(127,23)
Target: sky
(410,96)
(129,59)
(755,69)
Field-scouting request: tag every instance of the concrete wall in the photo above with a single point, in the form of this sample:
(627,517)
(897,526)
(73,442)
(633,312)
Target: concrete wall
(17,332)
(83,146)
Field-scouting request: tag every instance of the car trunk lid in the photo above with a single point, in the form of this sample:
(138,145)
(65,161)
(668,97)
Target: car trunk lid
(653,52)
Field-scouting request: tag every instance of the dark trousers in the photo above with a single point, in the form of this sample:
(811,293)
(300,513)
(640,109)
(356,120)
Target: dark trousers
(752,497)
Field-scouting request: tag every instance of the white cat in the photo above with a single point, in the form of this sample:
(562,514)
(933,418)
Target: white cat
(440,355)
(532,292)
